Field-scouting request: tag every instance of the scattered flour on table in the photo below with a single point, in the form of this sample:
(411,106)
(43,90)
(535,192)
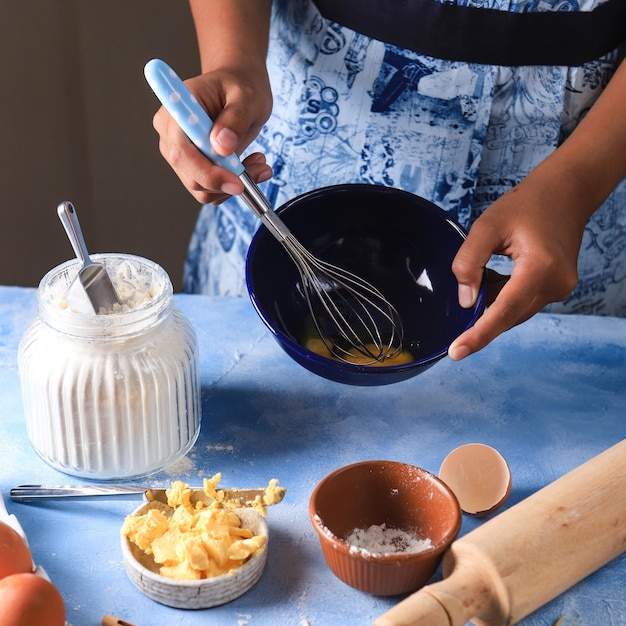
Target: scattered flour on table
(379,539)
(220,447)
(184,465)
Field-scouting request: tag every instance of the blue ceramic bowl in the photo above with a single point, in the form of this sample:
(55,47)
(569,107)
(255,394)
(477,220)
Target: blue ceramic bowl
(401,243)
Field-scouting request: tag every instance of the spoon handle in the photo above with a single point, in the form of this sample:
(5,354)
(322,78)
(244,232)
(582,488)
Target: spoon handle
(69,219)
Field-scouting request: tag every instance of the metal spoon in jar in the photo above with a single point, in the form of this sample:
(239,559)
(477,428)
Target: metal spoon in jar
(92,277)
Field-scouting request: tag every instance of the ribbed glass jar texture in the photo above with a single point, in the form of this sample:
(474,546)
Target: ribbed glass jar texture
(115,395)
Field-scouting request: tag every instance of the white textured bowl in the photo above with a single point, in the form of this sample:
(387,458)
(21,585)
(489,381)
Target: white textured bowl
(197,594)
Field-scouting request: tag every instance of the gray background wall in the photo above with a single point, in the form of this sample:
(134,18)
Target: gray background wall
(76,124)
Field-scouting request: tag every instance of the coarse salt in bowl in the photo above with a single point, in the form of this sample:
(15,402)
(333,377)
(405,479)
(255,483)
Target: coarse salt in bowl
(383,526)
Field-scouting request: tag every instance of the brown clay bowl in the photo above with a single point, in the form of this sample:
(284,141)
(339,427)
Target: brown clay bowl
(400,496)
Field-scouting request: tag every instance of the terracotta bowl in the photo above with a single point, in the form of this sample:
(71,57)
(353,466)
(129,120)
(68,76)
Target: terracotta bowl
(195,594)
(400,496)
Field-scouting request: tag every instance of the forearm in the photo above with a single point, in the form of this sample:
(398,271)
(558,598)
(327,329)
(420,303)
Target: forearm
(231,30)
(540,223)
(592,161)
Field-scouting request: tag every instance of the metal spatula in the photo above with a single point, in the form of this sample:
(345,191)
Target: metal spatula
(92,279)
(34,493)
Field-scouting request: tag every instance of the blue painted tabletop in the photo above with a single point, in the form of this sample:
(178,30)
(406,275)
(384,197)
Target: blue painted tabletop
(549,395)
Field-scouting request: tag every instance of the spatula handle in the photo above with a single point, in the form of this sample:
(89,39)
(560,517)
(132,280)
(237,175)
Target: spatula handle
(32,493)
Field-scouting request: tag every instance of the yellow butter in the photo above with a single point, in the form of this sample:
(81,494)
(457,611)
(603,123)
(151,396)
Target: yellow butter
(143,530)
(273,493)
(196,541)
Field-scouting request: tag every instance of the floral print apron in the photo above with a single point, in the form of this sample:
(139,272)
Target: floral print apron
(348,108)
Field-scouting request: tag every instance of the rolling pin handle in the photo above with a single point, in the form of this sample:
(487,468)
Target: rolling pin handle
(419,609)
(472,588)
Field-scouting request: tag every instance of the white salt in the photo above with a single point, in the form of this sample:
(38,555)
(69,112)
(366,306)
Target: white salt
(379,539)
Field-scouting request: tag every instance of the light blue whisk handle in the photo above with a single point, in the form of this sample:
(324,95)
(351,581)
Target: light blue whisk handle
(186,110)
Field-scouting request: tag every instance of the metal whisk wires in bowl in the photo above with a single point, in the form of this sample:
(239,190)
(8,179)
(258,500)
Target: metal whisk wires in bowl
(389,237)
(352,317)
(352,307)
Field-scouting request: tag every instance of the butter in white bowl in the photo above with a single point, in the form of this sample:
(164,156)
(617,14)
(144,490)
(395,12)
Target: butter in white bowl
(193,556)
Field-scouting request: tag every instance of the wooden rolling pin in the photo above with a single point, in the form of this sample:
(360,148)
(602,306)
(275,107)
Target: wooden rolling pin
(521,559)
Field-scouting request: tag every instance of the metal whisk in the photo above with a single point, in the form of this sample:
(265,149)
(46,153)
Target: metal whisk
(349,313)
(352,317)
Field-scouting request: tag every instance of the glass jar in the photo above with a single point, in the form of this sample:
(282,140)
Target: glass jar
(115,395)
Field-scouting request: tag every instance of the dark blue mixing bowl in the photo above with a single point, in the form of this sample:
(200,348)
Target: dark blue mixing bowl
(399,242)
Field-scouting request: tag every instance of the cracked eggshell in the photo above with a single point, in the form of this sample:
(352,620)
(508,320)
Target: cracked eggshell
(479,476)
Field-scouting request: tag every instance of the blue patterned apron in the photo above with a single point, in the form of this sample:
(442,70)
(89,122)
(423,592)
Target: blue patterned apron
(348,108)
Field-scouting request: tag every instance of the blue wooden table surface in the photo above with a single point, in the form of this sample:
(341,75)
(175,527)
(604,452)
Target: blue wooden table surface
(548,395)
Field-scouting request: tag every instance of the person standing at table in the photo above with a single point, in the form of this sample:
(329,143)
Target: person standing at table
(509,114)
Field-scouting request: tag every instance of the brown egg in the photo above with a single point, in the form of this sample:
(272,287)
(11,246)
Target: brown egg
(479,477)
(15,556)
(28,599)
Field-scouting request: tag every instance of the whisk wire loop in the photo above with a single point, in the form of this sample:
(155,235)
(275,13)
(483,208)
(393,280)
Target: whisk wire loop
(363,326)
(355,309)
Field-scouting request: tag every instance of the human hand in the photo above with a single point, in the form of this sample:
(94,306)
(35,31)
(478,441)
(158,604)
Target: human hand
(239,102)
(540,229)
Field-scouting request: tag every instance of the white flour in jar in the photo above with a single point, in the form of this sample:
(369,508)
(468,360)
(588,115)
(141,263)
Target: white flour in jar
(120,398)
(380,539)
(136,286)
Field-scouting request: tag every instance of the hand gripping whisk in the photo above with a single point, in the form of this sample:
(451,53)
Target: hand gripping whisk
(350,314)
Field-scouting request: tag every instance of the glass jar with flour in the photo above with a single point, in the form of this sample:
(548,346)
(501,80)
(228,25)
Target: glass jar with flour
(112,395)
